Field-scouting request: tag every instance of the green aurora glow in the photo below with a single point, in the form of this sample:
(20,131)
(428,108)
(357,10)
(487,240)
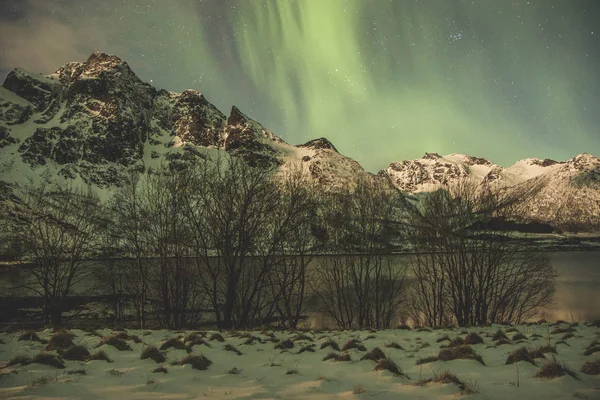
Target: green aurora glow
(383,80)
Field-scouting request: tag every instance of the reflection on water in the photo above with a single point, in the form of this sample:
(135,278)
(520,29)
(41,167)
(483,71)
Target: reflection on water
(577,295)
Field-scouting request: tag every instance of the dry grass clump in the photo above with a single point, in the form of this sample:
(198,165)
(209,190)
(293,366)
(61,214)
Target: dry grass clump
(354,344)
(194,336)
(253,339)
(404,327)
(49,359)
(285,344)
(502,341)
(445,337)
(292,371)
(444,377)
(159,370)
(345,356)
(519,336)
(153,353)
(499,335)
(115,342)
(460,352)
(546,349)
(197,362)
(100,356)
(330,343)
(592,348)
(568,336)
(76,353)
(374,355)
(216,336)
(511,329)
(523,354)
(115,372)
(194,342)
(232,348)
(30,336)
(591,367)
(23,360)
(426,360)
(173,342)
(552,369)
(393,345)
(234,371)
(389,365)
(126,336)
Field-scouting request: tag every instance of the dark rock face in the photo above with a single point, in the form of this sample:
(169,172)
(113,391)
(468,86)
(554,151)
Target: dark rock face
(247,138)
(320,143)
(38,91)
(5,138)
(197,121)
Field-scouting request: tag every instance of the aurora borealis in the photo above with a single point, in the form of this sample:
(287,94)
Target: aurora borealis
(383,80)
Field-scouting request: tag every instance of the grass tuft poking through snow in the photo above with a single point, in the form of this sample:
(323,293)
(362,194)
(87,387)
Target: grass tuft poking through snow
(234,371)
(499,335)
(374,355)
(460,352)
(49,359)
(591,367)
(330,343)
(553,369)
(198,362)
(23,360)
(100,356)
(426,360)
(159,370)
(153,353)
(115,342)
(393,345)
(354,344)
(388,364)
(232,348)
(29,336)
(216,336)
(286,344)
(173,342)
(473,338)
(76,353)
(61,340)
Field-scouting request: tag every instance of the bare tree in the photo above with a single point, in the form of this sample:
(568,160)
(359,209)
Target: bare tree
(465,273)
(57,228)
(362,287)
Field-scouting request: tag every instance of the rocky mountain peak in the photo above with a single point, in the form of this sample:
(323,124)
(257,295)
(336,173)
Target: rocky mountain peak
(236,117)
(320,143)
(431,156)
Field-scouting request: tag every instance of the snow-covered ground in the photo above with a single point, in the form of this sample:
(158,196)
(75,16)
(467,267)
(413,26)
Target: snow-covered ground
(265,372)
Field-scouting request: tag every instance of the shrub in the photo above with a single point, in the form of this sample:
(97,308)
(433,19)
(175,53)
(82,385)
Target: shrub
(553,369)
(230,347)
(374,355)
(197,362)
(591,367)
(49,359)
(216,336)
(389,365)
(100,356)
(76,353)
(460,352)
(161,370)
(29,335)
(393,345)
(522,354)
(330,343)
(173,342)
(153,353)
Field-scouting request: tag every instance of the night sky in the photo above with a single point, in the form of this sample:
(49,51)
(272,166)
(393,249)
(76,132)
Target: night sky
(383,80)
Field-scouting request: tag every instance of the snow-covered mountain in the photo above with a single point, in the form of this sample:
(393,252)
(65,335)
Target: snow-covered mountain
(95,120)
(568,195)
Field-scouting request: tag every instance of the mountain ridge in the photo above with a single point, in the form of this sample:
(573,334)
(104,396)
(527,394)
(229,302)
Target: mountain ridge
(95,120)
